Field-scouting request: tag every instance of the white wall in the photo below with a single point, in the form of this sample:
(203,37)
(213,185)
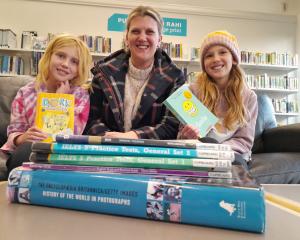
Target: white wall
(262,32)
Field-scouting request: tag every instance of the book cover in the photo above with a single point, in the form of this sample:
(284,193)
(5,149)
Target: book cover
(189,110)
(55,114)
(196,164)
(86,139)
(166,198)
(119,150)
(130,170)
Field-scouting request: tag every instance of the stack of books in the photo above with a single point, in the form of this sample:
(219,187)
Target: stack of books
(173,181)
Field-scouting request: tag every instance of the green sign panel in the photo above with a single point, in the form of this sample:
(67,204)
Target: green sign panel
(117,22)
(172,26)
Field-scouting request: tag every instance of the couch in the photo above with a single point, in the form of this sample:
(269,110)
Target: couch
(8,89)
(276,150)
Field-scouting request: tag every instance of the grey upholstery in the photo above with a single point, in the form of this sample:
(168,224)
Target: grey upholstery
(8,89)
(276,150)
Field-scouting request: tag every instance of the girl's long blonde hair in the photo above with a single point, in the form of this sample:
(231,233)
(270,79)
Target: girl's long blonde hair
(85,59)
(209,95)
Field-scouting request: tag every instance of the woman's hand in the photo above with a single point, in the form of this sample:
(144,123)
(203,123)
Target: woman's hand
(33,134)
(63,87)
(131,135)
(189,132)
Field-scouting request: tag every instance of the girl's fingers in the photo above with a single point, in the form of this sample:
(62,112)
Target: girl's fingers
(190,132)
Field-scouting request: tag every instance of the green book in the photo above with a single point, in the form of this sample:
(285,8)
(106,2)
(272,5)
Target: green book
(133,161)
(190,110)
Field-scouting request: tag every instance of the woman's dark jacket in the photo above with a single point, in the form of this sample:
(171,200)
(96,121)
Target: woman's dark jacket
(152,119)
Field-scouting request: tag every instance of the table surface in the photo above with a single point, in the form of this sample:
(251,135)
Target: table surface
(290,191)
(19,221)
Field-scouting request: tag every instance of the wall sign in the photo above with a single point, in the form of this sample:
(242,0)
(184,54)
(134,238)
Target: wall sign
(172,26)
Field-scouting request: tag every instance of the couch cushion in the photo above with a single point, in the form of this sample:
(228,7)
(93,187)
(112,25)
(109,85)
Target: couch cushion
(265,120)
(276,168)
(8,90)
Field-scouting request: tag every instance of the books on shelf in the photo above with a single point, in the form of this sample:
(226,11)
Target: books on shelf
(27,39)
(189,110)
(11,65)
(8,39)
(285,106)
(98,44)
(265,81)
(55,113)
(272,58)
(173,50)
(236,203)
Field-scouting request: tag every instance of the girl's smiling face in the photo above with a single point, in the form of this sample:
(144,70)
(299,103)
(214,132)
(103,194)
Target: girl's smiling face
(218,63)
(63,65)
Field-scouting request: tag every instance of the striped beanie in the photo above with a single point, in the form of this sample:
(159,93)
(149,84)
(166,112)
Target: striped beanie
(223,38)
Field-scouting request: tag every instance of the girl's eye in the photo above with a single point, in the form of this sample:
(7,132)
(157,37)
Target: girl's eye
(60,55)
(208,55)
(75,61)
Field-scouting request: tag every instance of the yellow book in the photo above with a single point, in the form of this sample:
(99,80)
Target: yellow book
(55,114)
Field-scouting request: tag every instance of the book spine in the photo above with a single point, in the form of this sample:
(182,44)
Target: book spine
(142,171)
(150,197)
(83,139)
(134,161)
(130,151)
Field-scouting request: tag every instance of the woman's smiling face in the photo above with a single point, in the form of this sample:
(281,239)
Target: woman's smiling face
(142,40)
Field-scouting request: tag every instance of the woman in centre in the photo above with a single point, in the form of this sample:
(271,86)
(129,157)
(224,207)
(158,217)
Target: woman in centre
(130,85)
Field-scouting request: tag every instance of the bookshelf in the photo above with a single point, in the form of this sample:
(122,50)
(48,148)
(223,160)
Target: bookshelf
(30,58)
(280,83)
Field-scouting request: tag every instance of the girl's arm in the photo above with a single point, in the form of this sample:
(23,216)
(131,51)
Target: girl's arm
(82,109)
(242,141)
(21,120)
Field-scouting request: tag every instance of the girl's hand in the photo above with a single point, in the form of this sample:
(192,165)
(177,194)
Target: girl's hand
(64,87)
(189,132)
(33,134)
(131,135)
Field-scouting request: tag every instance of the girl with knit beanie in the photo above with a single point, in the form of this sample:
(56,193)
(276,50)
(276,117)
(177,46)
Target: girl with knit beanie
(221,88)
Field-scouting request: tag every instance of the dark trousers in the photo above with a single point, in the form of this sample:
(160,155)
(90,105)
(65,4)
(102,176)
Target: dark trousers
(18,156)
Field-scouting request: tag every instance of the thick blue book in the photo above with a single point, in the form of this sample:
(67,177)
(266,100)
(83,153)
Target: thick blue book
(120,150)
(223,203)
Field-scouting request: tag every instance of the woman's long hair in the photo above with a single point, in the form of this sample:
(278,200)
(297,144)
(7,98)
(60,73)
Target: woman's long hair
(209,95)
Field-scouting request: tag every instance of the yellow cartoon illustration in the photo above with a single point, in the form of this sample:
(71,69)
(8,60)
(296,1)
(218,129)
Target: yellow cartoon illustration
(55,123)
(189,107)
(55,114)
